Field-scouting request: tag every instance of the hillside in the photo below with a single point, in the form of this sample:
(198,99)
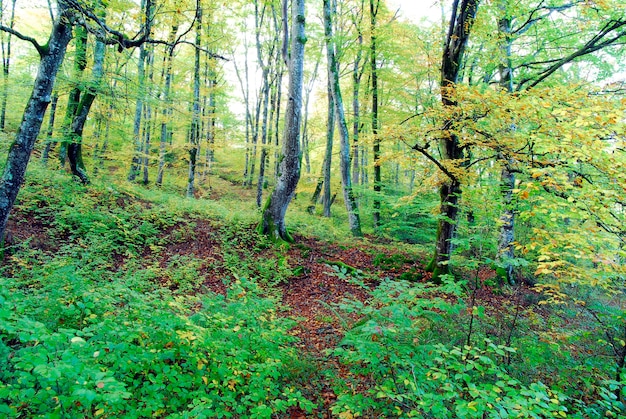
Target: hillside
(117,303)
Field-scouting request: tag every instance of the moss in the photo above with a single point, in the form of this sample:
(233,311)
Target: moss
(431,265)
(412,276)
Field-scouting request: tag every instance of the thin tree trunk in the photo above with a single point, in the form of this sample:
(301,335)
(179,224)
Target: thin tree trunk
(195,118)
(506,249)
(73,101)
(357,74)
(344,155)
(135,164)
(374,4)
(148,120)
(273,219)
(166,113)
(330,133)
(263,98)
(75,150)
(305,125)
(49,140)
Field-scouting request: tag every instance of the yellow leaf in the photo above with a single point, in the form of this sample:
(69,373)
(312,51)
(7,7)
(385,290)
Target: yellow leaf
(99,412)
(346,415)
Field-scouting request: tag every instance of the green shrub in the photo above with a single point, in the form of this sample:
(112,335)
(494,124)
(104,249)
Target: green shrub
(80,342)
(409,374)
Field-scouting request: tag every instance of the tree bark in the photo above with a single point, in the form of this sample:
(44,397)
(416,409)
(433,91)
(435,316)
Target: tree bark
(344,155)
(75,152)
(73,100)
(330,133)
(461,22)
(51,58)
(49,141)
(273,218)
(195,118)
(136,161)
(166,113)
(358,68)
(374,4)
(506,249)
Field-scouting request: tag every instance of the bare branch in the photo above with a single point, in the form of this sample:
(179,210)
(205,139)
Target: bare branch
(41,50)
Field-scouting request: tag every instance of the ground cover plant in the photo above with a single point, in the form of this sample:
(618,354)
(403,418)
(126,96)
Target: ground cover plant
(312,209)
(94,324)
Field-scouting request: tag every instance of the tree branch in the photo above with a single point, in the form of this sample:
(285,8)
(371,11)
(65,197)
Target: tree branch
(437,163)
(41,50)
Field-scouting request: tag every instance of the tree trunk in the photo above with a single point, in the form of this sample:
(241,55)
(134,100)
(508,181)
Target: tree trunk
(135,164)
(358,69)
(344,160)
(211,81)
(376,148)
(195,118)
(273,219)
(73,101)
(49,140)
(75,152)
(461,23)
(357,73)
(330,133)
(506,249)
(166,113)
(148,125)
(51,58)
(305,124)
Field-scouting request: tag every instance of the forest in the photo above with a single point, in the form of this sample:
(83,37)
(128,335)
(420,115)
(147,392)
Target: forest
(313,209)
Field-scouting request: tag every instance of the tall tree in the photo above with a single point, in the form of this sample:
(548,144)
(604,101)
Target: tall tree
(139,104)
(461,22)
(74,150)
(374,6)
(344,153)
(358,69)
(273,218)
(166,112)
(194,136)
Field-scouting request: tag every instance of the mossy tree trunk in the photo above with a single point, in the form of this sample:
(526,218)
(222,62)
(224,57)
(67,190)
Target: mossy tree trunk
(74,150)
(273,217)
(461,21)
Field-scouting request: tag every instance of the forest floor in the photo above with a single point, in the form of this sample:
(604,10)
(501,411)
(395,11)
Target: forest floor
(324,274)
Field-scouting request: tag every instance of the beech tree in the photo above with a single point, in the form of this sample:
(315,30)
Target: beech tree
(273,217)
(344,153)
(460,26)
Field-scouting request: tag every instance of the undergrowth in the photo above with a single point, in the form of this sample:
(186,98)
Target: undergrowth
(101,323)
